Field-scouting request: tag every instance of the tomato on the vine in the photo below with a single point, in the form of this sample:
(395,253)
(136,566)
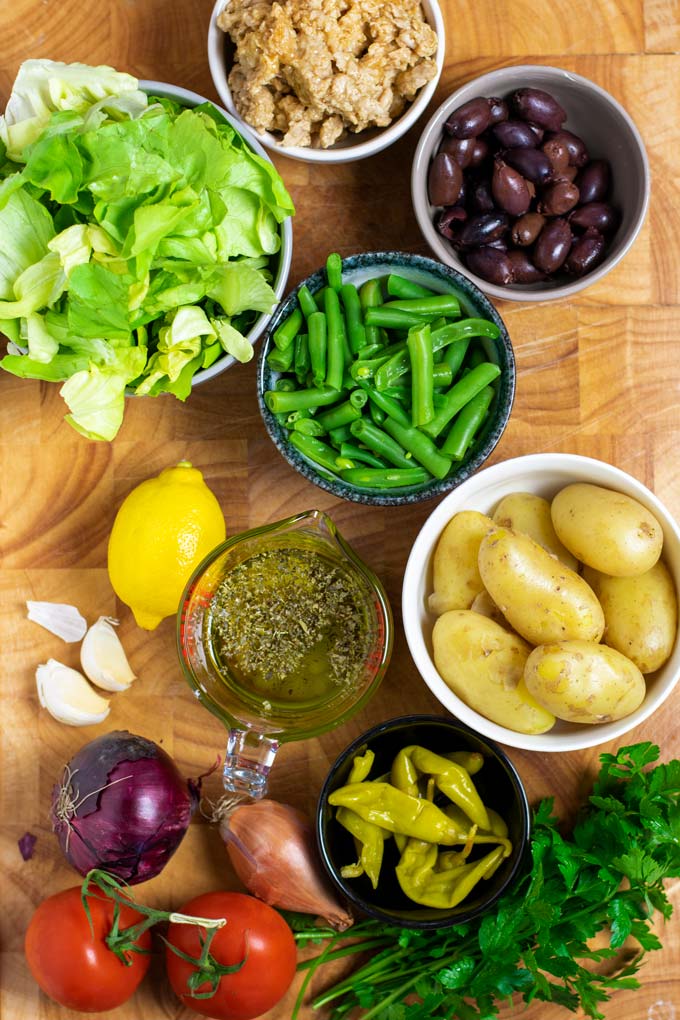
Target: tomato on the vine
(255,936)
(75,968)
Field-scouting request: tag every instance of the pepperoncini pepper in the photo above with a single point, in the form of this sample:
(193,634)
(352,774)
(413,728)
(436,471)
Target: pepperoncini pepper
(388,807)
(371,840)
(423,883)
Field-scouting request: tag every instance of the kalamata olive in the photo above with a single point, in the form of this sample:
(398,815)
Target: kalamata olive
(500,243)
(491,264)
(598,215)
(514,134)
(539,107)
(460,148)
(530,163)
(537,131)
(558,198)
(470,119)
(552,246)
(578,154)
(527,228)
(523,269)
(448,221)
(480,197)
(567,174)
(558,154)
(480,151)
(509,189)
(498,110)
(586,253)
(593,181)
(444,179)
(483,229)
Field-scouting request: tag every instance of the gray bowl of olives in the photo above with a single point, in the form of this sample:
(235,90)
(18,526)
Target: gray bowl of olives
(531,180)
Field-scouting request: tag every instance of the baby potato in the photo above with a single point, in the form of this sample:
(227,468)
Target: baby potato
(607,530)
(541,598)
(584,682)
(456,574)
(483,664)
(640,614)
(485,605)
(530,515)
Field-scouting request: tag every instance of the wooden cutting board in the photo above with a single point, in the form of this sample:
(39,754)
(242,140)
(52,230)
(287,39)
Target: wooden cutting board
(597,375)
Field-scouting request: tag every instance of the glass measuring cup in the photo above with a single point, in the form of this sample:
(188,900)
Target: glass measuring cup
(262,707)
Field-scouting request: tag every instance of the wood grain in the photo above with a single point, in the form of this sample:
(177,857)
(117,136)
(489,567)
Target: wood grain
(597,375)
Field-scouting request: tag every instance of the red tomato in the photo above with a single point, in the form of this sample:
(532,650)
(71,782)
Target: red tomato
(254,932)
(72,967)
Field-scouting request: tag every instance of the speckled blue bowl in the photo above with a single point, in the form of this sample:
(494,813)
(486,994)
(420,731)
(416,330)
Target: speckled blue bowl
(440,278)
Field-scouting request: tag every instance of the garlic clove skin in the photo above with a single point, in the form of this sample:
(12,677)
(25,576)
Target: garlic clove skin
(59,618)
(67,696)
(103,659)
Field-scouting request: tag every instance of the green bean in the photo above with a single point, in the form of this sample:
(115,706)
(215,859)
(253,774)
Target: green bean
(379,442)
(466,424)
(459,395)
(348,383)
(402,393)
(385,478)
(309,427)
(399,287)
(442,375)
(356,333)
(342,414)
(319,297)
(287,401)
(454,355)
(335,357)
(393,318)
(369,351)
(370,295)
(377,414)
(454,333)
(419,345)
(317,342)
(285,334)
(334,271)
(366,369)
(476,356)
(359,398)
(315,450)
(465,328)
(386,404)
(281,359)
(284,385)
(432,307)
(301,360)
(306,301)
(420,447)
(303,412)
(340,435)
(365,456)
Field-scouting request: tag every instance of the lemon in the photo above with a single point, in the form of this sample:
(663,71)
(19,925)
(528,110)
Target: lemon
(162,530)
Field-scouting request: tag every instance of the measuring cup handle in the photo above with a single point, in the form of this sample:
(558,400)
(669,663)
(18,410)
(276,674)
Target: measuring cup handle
(247,762)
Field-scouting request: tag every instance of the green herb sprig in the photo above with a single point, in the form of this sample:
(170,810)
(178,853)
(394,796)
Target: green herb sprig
(608,875)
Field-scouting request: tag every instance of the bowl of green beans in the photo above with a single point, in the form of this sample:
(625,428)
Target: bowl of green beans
(422,822)
(386,378)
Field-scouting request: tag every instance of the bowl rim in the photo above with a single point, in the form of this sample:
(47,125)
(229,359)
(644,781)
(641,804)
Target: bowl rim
(521,801)
(386,497)
(601,473)
(422,208)
(348,153)
(167,90)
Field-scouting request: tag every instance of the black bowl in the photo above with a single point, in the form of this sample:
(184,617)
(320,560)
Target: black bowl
(499,786)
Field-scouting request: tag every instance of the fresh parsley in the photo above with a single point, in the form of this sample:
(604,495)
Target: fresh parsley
(607,876)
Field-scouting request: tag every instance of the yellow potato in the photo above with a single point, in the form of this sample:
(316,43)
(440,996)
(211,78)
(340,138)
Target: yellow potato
(540,598)
(607,530)
(530,515)
(456,574)
(584,682)
(483,664)
(485,605)
(640,614)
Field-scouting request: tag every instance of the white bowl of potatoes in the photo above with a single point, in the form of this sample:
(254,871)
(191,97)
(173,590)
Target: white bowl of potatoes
(540,602)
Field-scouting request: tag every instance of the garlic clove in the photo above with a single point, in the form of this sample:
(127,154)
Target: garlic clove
(63,620)
(103,658)
(67,696)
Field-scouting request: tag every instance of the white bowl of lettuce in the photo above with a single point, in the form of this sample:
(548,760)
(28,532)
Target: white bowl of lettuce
(147,238)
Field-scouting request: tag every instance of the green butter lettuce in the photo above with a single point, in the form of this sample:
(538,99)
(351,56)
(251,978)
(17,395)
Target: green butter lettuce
(136,239)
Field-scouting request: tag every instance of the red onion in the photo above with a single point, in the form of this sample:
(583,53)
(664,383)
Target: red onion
(122,806)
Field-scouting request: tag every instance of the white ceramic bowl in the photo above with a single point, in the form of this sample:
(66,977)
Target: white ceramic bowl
(368,142)
(593,114)
(188,98)
(543,474)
